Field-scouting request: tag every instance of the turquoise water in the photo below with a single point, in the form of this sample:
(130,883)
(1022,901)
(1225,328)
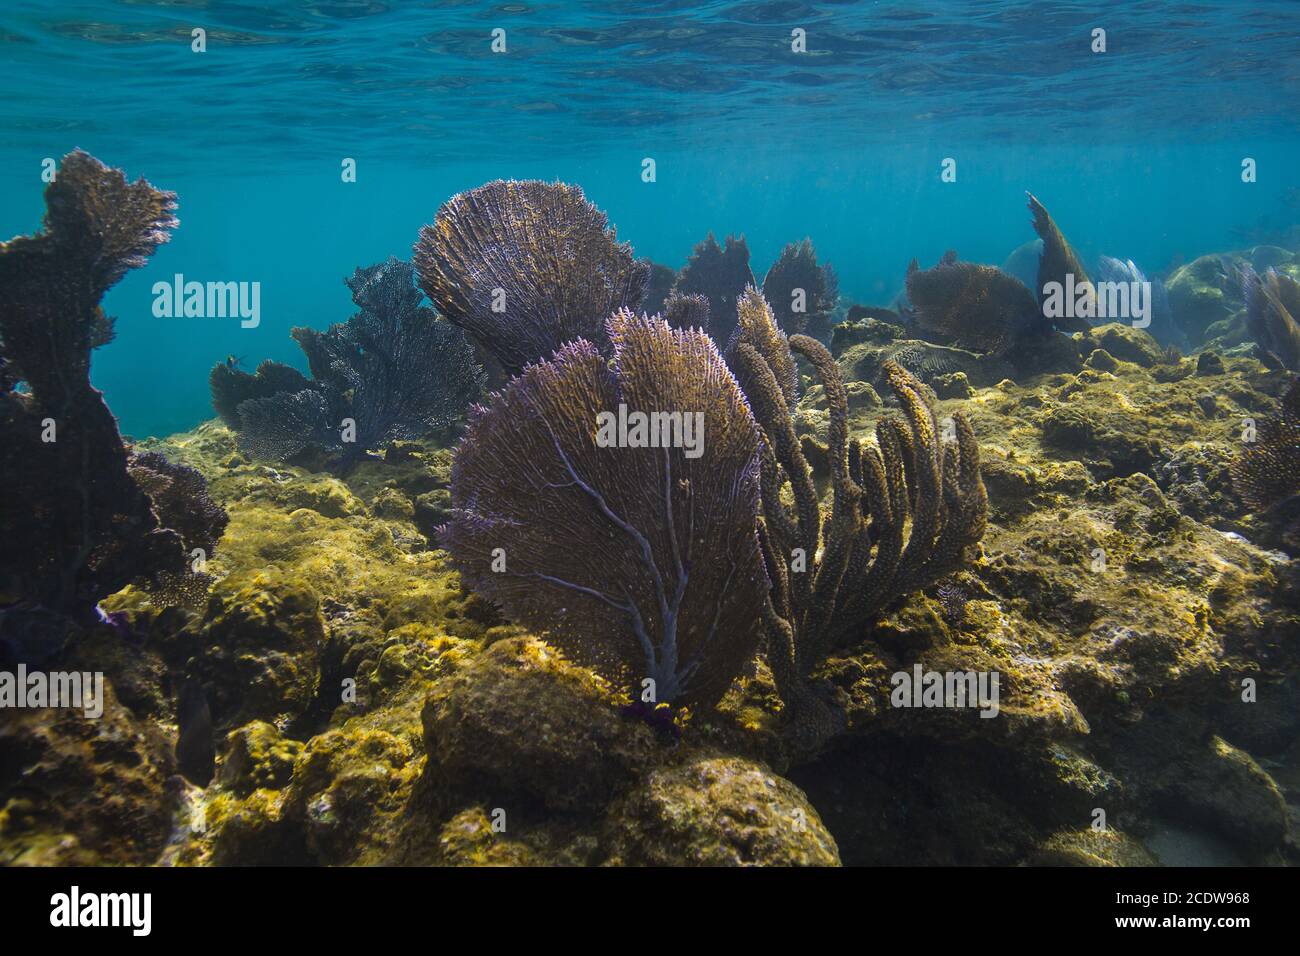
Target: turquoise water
(1137,151)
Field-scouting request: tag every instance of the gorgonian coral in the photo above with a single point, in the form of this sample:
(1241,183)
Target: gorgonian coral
(231,386)
(1056,262)
(971,306)
(1268,471)
(1163,327)
(905,511)
(686,311)
(180,499)
(720,274)
(801,293)
(1272,307)
(640,559)
(393,371)
(76,526)
(525,267)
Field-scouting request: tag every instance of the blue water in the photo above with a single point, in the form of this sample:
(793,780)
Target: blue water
(1136,151)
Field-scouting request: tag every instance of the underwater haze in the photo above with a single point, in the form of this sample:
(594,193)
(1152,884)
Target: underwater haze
(1140,148)
(651,434)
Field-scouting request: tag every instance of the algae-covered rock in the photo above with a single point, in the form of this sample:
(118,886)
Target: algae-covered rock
(348,787)
(1128,344)
(1202,293)
(257,756)
(468,839)
(522,720)
(1226,790)
(718,811)
(80,790)
(1092,848)
(259,649)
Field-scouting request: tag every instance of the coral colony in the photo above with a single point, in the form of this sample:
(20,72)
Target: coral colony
(542,552)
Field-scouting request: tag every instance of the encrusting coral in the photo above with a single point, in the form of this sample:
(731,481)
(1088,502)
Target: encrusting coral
(393,371)
(1272,304)
(801,292)
(77,526)
(923,498)
(720,274)
(525,267)
(636,557)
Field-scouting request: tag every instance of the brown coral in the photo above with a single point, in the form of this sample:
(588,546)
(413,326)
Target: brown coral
(924,505)
(76,526)
(525,267)
(1057,261)
(640,561)
(801,292)
(720,274)
(1268,471)
(970,306)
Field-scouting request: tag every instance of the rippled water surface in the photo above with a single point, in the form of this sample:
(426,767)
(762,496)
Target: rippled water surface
(421,78)
(1137,150)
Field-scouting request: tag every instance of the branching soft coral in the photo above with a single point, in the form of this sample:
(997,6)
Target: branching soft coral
(76,526)
(393,371)
(641,561)
(525,267)
(905,511)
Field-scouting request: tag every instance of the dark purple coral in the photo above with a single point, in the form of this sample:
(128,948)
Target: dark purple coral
(801,292)
(76,526)
(720,274)
(231,386)
(525,267)
(971,306)
(393,371)
(181,500)
(640,561)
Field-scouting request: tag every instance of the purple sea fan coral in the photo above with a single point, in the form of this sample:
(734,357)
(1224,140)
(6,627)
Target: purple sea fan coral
(525,267)
(640,561)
